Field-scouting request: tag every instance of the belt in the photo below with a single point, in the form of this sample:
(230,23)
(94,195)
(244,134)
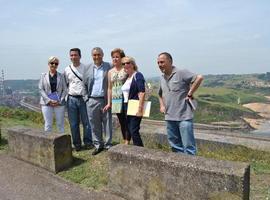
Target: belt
(96,97)
(75,96)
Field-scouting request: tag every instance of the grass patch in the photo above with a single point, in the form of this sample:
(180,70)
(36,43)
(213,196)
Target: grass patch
(21,114)
(259,160)
(227,95)
(217,104)
(3,144)
(87,170)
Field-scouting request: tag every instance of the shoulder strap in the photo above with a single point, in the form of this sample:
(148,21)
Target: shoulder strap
(75,73)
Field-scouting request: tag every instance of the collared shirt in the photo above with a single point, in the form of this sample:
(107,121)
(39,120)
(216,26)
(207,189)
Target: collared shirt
(75,85)
(97,90)
(53,82)
(174,90)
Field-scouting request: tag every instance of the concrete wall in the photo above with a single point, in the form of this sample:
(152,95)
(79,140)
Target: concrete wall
(52,152)
(138,173)
(157,138)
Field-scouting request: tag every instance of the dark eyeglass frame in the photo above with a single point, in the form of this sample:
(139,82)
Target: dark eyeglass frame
(128,63)
(53,63)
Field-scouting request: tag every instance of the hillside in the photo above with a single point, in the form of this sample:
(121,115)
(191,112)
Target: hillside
(220,98)
(259,83)
(217,104)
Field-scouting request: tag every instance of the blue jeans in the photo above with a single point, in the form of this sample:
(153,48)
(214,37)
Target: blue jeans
(181,137)
(77,111)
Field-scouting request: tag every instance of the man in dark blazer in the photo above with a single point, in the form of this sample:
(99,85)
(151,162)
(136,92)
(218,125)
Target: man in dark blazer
(97,85)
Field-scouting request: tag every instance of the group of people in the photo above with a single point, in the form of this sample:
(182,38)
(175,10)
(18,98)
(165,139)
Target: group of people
(91,93)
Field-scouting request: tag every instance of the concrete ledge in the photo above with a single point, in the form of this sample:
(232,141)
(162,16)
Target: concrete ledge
(161,139)
(52,152)
(157,137)
(140,173)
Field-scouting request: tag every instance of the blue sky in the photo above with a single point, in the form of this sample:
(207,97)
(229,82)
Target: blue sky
(206,37)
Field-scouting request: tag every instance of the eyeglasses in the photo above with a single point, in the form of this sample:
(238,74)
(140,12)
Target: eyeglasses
(52,63)
(125,63)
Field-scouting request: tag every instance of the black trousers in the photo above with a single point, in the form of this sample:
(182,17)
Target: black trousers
(133,125)
(122,117)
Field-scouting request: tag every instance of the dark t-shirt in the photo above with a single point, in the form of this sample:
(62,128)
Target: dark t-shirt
(53,82)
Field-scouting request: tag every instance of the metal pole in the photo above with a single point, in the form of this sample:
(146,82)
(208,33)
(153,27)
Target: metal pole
(2,87)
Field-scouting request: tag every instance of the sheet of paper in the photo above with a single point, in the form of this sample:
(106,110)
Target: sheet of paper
(193,104)
(133,106)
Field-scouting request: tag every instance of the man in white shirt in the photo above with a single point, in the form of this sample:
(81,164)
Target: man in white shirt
(75,103)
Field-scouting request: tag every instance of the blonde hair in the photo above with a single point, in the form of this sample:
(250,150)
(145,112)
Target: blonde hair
(131,60)
(118,50)
(52,59)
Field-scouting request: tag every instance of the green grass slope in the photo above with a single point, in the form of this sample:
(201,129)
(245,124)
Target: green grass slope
(217,104)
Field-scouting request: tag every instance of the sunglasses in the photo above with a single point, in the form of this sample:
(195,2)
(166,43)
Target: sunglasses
(125,63)
(52,63)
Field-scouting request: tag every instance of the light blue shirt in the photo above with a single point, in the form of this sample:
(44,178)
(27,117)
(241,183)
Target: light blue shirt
(97,90)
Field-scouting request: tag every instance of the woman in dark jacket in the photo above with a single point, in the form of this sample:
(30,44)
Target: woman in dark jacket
(133,88)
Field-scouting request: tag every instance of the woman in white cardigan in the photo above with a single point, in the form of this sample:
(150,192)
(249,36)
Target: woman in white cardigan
(52,88)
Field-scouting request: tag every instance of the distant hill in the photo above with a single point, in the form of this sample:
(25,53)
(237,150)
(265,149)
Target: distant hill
(220,98)
(244,81)
(20,85)
(251,82)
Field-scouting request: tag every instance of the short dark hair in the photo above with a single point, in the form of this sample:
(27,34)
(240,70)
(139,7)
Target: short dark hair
(167,55)
(76,49)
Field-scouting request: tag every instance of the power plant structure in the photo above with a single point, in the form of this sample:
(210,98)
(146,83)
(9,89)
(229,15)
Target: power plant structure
(2,84)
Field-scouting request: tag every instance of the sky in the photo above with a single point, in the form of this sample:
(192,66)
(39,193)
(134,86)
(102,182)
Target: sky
(205,37)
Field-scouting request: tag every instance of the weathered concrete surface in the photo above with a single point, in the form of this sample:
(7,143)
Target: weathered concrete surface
(141,173)
(22,181)
(52,152)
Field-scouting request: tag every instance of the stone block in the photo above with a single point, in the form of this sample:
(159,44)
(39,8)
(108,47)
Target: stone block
(138,173)
(50,151)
